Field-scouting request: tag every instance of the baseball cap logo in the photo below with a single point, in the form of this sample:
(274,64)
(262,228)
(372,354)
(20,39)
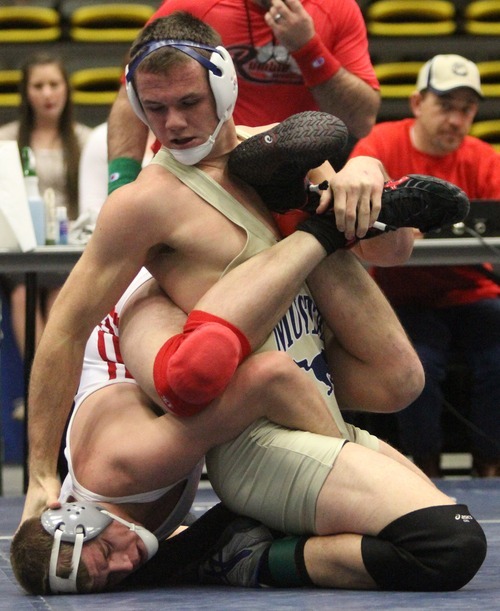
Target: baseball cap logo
(459,69)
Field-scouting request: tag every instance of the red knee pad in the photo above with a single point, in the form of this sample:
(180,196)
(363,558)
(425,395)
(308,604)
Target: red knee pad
(194,367)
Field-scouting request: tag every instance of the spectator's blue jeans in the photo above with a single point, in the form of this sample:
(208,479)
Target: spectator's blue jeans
(474,330)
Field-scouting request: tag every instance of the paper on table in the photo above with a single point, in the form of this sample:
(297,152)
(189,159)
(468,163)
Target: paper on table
(16,226)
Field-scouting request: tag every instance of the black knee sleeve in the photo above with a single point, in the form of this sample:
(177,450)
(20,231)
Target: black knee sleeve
(433,549)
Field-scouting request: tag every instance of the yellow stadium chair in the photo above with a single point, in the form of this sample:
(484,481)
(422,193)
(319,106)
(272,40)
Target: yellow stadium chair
(482,17)
(118,22)
(9,84)
(95,86)
(490,78)
(397,79)
(489,131)
(411,18)
(21,24)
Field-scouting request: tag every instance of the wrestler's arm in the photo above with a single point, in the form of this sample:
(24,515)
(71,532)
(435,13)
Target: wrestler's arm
(372,363)
(109,262)
(374,368)
(356,192)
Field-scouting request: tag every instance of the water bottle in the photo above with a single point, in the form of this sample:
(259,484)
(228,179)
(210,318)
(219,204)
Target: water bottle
(51,227)
(35,201)
(62,223)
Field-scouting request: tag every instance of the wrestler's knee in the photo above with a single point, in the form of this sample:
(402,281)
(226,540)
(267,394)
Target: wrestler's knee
(194,367)
(432,549)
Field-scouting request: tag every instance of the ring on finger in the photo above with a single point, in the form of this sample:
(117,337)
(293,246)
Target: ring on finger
(277,17)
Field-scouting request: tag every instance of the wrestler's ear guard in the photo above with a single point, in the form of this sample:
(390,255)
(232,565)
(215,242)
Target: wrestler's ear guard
(224,84)
(132,96)
(222,74)
(78,523)
(73,523)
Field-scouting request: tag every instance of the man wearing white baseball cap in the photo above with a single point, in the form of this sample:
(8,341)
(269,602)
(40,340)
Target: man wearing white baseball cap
(445,73)
(445,308)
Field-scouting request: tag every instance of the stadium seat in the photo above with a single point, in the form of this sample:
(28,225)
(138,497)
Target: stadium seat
(482,17)
(397,79)
(410,18)
(490,78)
(22,24)
(489,131)
(105,22)
(9,85)
(96,86)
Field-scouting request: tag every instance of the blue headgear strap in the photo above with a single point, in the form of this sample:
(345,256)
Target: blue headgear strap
(186,46)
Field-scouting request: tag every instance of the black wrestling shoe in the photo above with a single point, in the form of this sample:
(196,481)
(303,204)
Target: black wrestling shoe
(424,202)
(276,162)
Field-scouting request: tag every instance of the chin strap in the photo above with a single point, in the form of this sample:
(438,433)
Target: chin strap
(64,584)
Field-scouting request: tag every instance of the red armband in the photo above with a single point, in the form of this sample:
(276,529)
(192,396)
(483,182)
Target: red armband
(316,62)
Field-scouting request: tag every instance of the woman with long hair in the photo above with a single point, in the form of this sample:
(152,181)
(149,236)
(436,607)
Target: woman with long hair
(46,124)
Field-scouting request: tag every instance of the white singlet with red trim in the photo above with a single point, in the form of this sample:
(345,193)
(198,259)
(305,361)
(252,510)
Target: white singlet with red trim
(103,366)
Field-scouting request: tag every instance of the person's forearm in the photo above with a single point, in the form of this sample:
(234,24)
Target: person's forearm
(50,398)
(387,249)
(349,98)
(127,134)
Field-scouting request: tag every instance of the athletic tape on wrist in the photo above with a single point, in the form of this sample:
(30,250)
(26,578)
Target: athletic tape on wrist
(121,171)
(316,62)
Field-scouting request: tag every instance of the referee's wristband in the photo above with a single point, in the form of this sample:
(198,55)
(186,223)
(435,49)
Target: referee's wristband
(121,171)
(316,62)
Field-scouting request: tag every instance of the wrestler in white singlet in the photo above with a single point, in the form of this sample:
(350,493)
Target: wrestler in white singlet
(103,366)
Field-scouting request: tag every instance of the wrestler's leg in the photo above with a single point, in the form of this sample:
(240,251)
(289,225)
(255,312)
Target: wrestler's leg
(381,526)
(370,494)
(120,445)
(256,294)
(377,523)
(193,366)
(367,490)
(266,385)
(373,365)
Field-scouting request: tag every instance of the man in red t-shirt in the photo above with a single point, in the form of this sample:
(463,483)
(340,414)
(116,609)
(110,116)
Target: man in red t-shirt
(445,308)
(289,57)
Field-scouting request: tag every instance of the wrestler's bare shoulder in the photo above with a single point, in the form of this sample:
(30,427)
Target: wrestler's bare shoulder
(154,199)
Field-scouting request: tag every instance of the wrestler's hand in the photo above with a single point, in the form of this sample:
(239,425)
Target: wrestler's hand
(357,191)
(42,493)
(294,27)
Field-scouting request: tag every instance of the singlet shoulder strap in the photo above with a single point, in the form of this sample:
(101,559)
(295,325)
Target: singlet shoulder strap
(214,194)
